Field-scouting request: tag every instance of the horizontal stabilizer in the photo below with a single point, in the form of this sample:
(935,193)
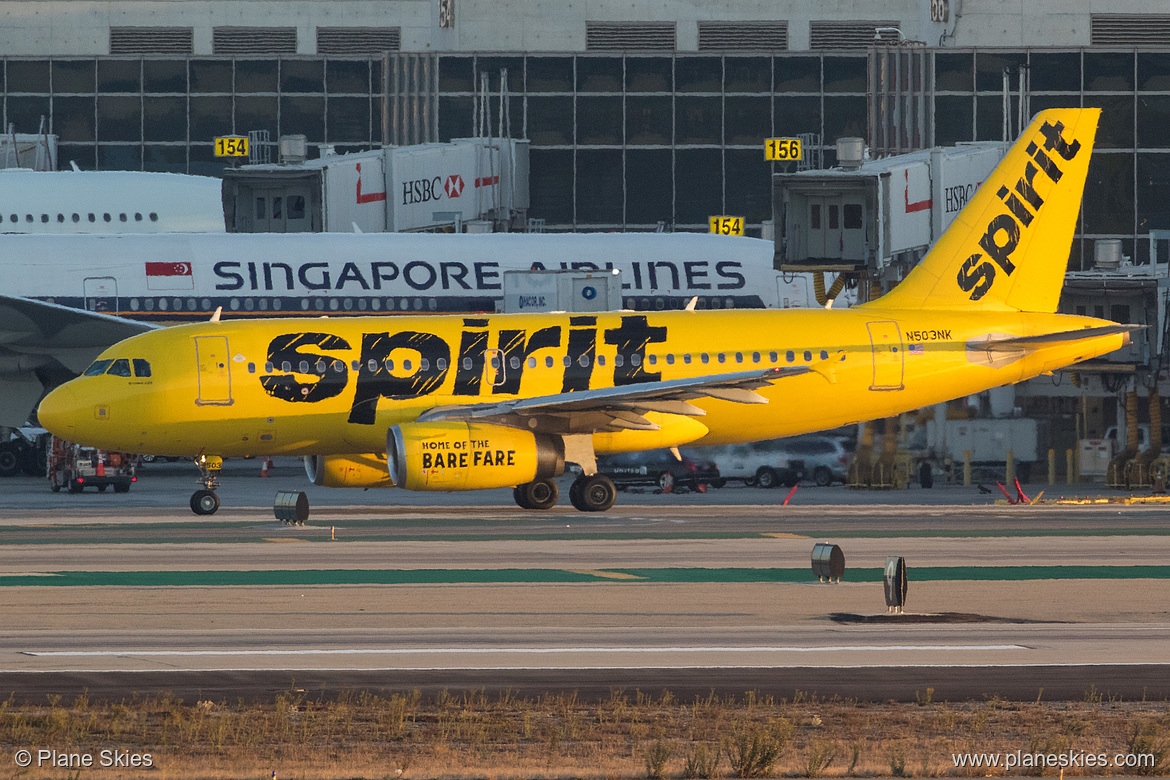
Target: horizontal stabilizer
(1061,336)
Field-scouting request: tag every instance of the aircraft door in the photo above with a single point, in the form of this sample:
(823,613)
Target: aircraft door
(851,238)
(495,368)
(281,210)
(101,294)
(888,355)
(817,224)
(215,386)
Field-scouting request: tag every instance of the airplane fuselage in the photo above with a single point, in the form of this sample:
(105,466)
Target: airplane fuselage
(331,386)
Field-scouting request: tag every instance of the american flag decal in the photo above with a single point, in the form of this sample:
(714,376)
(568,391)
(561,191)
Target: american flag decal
(917,349)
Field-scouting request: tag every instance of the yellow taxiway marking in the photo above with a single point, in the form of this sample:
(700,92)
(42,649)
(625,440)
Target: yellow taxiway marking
(269,539)
(786,536)
(608,575)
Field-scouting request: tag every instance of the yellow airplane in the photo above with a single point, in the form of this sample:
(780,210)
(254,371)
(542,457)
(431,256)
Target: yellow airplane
(444,403)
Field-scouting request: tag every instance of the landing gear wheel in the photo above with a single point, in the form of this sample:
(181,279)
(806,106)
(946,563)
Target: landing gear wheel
(541,494)
(593,494)
(519,497)
(9,460)
(766,478)
(204,502)
(822,476)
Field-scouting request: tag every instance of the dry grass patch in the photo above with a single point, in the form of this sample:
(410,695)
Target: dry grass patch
(627,735)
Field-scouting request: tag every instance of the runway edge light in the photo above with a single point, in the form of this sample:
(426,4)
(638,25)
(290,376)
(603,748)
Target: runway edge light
(828,561)
(895,583)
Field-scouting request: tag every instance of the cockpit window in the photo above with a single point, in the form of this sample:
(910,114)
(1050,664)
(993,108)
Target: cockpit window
(141,367)
(98,368)
(120,367)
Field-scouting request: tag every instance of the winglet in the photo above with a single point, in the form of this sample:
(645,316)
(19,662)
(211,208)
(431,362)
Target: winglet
(692,303)
(215,316)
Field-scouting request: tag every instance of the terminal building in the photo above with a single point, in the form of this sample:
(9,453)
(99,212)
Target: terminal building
(637,116)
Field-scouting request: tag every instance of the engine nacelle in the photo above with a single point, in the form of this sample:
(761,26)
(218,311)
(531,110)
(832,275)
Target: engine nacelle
(470,456)
(364,471)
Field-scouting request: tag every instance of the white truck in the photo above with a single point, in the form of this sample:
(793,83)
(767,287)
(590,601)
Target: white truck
(989,441)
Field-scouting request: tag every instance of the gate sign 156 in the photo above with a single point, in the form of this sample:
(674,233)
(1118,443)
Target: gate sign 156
(726,226)
(783,149)
(231,146)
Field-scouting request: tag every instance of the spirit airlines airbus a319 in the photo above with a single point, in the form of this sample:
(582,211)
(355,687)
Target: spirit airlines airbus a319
(446,403)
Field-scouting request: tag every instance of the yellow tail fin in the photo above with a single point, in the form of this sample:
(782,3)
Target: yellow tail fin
(1009,246)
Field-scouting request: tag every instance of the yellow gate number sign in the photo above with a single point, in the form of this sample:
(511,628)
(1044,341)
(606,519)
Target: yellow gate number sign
(726,226)
(783,149)
(231,146)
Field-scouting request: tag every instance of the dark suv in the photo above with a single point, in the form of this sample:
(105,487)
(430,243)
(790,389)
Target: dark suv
(657,467)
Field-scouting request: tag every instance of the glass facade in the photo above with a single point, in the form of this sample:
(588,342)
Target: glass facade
(618,141)
(163,114)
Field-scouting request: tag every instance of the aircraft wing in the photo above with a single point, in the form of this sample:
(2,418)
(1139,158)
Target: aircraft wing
(618,408)
(45,344)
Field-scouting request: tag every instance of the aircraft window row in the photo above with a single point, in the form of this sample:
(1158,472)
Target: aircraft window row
(646,304)
(76,218)
(119,367)
(280,304)
(338,366)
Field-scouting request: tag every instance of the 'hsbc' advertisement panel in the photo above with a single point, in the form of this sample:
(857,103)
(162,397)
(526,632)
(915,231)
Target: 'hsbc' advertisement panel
(430,179)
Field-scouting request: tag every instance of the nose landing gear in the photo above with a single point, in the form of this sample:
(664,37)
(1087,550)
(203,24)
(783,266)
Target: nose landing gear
(205,501)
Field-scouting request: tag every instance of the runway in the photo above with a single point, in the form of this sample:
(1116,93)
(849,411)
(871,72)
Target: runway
(688,593)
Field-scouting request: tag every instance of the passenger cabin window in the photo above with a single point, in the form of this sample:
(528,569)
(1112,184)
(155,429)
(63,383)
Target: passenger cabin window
(141,367)
(97,368)
(120,367)
(153,217)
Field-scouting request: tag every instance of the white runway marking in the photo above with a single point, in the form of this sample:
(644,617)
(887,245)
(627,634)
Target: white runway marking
(517,650)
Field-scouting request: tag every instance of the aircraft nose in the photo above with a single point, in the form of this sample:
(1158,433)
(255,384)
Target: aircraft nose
(60,412)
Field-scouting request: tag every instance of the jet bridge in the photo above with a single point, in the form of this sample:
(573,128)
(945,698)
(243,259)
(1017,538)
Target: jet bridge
(875,218)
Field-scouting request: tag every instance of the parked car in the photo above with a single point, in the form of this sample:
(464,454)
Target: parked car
(777,462)
(758,463)
(823,459)
(658,467)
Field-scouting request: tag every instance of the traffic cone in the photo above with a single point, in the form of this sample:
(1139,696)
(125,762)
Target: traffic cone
(264,464)
(101,465)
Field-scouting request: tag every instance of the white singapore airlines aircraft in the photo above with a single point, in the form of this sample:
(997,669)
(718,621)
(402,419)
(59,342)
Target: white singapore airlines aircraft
(66,298)
(108,202)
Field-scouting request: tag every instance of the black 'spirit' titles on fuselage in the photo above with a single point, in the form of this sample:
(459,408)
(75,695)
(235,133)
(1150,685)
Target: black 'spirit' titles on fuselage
(1002,235)
(429,370)
(422,275)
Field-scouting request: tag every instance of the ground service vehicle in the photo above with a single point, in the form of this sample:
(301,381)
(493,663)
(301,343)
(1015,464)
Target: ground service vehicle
(463,402)
(74,468)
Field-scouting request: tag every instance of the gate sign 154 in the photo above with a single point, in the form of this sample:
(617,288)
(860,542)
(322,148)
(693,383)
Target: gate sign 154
(726,226)
(783,149)
(231,146)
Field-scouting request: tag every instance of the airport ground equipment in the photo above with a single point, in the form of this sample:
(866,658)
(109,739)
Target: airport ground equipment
(291,507)
(894,582)
(23,450)
(828,561)
(74,468)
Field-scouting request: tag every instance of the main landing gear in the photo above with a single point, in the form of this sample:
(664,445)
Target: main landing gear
(205,501)
(593,493)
